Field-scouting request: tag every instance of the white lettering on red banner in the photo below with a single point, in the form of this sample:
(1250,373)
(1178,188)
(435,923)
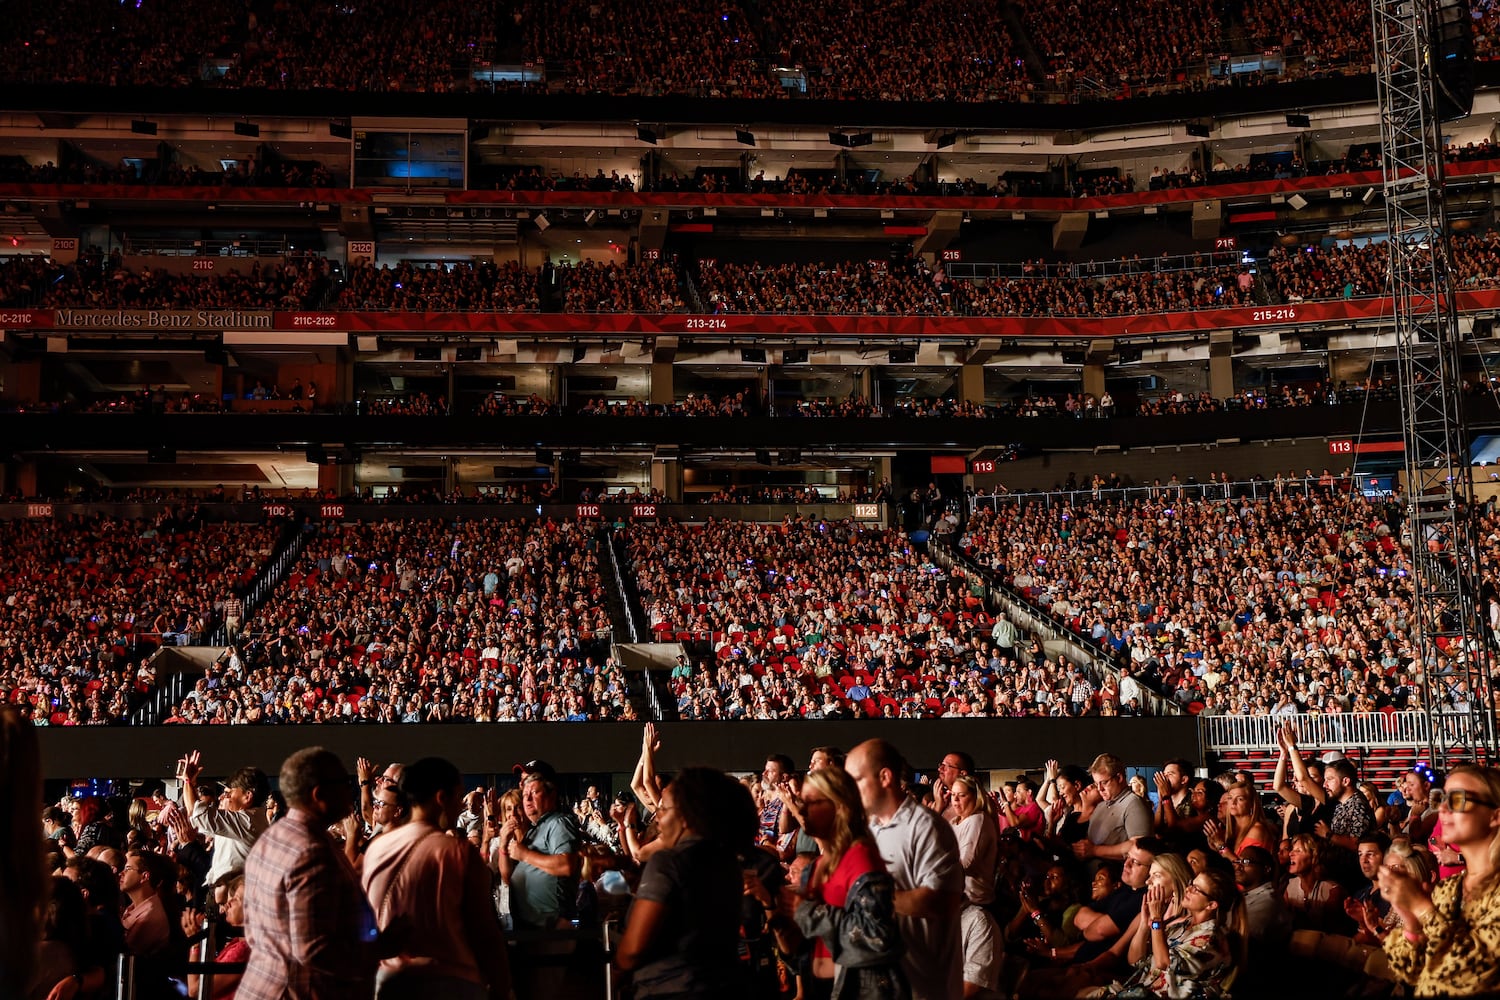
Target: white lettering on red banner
(953,256)
(39,510)
(332,511)
(277,510)
(866,511)
(588,510)
(983,465)
(643,510)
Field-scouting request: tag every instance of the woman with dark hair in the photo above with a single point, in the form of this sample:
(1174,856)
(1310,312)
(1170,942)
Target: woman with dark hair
(682,934)
(61,954)
(848,901)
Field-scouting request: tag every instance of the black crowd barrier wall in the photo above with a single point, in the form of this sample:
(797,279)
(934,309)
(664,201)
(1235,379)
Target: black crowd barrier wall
(151,752)
(257,431)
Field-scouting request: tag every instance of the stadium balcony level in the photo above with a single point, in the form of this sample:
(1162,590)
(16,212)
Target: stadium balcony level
(480,204)
(245,432)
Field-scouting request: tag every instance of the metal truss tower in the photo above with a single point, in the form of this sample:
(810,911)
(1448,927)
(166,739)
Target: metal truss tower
(1439,488)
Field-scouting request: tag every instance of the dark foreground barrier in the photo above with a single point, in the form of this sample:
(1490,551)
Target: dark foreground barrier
(591,747)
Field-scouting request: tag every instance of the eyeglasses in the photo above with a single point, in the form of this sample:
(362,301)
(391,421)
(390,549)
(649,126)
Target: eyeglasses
(1243,862)
(1460,800)
(1193,887)
(377,804)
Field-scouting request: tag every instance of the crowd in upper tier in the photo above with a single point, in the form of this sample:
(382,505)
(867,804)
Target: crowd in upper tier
(906,287)
(825,49)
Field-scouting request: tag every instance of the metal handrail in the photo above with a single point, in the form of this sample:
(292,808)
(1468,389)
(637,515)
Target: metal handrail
(1341,730)
(1241,489)
(1093,269)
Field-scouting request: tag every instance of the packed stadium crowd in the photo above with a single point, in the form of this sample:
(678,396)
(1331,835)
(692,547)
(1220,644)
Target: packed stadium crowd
(910,287)
(861,874)
(423,621)
(811,619)
(86,601)
(242,173)
(737,49)
(1299,600)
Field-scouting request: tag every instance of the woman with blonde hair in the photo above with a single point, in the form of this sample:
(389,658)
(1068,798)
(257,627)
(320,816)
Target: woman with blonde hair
(1315,901)
(1449,944)
(1245,824)
(848,900)
(978,838)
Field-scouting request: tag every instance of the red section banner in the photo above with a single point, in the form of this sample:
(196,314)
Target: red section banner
(907,327)
(918,327)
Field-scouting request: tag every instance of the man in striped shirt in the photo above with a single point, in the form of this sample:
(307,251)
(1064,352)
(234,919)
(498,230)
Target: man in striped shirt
(307,922)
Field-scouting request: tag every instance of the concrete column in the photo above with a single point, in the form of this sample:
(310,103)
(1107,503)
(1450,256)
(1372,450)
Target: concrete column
(661,383)
(971,384)
(1221,377)
(1093,380)
(339,478)
(667,477)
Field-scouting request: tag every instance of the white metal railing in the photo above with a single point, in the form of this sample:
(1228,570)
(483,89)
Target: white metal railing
(1332,731)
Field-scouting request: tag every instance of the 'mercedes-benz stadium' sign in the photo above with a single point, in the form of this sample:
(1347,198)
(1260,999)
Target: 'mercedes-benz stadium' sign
(160,319)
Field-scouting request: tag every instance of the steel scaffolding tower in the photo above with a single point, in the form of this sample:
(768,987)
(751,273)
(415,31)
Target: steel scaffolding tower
(1450,632)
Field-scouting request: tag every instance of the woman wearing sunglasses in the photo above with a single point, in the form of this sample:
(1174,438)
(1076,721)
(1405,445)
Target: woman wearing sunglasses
(1449,944)
(1190,947)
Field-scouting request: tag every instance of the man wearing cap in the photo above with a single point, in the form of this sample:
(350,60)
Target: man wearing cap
(235,821)
(540,852)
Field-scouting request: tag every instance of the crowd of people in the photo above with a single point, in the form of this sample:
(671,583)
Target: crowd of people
(1096,51)
(862,874)
(85,601)
(904,287)
(249,172)
(1299,600)
(424,621)
(826,620)
(1294,597)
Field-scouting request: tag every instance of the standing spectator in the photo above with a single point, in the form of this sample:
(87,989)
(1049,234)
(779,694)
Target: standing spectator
(1352,815)
(921,853)
(848,903)
(235,822)
(148,925)
(1019,809)
(310,931)
(955,765)
(1119,818)
(978,839)
(234,613)
(432,898)
(1174,807)
(542,863)
(1450,944)
(683,933)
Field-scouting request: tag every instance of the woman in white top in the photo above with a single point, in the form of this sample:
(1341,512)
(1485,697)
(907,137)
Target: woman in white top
(978,839)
